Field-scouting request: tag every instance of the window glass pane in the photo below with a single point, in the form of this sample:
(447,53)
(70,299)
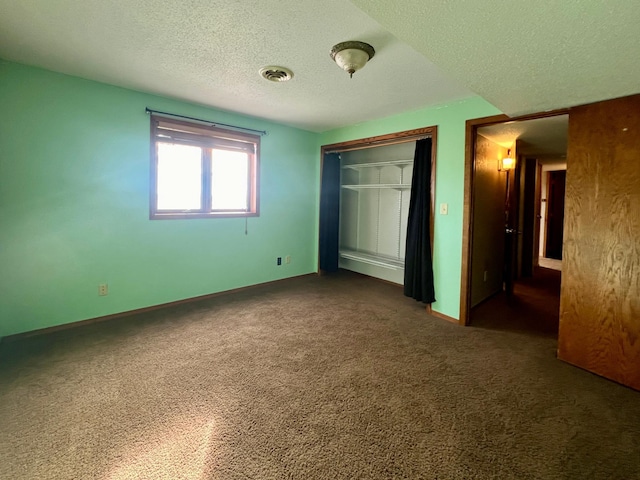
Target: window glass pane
(229,180)
(179,177)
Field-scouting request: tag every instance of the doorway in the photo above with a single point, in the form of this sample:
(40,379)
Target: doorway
(504,227)
(556,181)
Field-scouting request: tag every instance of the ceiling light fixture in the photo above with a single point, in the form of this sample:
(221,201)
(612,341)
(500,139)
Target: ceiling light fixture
(352,56)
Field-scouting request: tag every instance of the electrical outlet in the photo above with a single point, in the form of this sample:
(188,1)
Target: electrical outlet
(279,261)
(103,289)
(287,259)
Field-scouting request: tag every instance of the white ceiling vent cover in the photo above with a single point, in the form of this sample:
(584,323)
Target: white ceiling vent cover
(276,74)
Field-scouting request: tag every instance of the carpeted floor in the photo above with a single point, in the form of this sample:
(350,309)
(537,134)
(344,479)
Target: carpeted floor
(312,378)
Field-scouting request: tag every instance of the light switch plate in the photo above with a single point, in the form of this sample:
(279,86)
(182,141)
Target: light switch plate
(444,209)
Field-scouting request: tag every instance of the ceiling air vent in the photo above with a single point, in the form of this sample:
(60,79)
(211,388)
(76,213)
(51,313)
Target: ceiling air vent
(276,74)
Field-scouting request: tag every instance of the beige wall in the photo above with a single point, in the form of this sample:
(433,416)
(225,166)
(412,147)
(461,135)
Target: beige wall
(488,221)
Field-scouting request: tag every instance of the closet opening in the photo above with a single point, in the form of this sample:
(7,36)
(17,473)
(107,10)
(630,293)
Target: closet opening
(366,193)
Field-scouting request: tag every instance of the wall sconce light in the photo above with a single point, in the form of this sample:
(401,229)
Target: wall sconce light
(507,163)
(352,56)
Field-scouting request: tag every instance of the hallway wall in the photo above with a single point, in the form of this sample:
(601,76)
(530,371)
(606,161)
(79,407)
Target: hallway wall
(488,221)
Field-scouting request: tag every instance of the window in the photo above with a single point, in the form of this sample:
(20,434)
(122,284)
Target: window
(199,171)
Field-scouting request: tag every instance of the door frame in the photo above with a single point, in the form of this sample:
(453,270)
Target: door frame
(385,140)
(538,216)
(471,132)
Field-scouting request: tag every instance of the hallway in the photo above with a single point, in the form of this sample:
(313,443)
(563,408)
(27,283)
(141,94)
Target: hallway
(534,308)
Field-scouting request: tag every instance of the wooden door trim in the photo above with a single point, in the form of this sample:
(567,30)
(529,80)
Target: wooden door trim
(471,131)
(538,215)
(380,140)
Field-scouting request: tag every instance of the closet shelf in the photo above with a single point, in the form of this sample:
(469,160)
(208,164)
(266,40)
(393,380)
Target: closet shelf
(372,259)
(397,163)
(395,186)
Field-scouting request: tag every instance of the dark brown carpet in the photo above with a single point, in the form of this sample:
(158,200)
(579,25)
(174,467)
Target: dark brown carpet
(312,378)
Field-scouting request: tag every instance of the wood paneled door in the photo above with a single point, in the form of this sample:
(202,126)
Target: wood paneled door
(600,295)
(555,213)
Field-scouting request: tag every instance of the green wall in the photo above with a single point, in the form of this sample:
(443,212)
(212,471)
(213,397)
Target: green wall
(450,120)
(74,202)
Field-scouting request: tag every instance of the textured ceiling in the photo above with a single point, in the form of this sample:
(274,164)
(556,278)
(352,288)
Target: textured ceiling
(210,51)
(521,56)
(542,137)
(524,56)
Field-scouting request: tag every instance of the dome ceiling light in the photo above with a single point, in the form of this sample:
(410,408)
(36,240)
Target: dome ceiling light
(352,56)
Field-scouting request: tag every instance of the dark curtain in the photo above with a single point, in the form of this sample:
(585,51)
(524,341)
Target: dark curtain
(418,269)
(329,212)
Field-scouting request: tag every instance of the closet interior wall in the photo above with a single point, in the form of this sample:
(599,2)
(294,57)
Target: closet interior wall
(374,207)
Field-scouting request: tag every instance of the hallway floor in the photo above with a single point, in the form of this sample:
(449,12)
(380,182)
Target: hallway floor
(534,308)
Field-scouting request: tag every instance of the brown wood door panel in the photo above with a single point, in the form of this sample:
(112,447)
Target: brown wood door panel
(600,295)
(529,220)
(555,214)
